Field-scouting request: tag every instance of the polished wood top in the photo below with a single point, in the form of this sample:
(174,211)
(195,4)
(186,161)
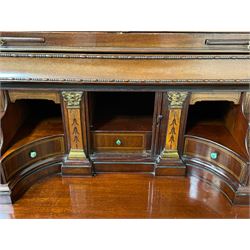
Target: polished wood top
(123,196)
(128,72)
(126,42)
(126,58)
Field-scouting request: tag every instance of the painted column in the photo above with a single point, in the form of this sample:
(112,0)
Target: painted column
(76,161)
(176,100)
(169,161)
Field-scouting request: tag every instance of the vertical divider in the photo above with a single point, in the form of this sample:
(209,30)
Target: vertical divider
(76,161)
(169,161)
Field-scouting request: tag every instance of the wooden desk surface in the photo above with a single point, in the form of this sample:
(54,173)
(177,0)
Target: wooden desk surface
(123,196)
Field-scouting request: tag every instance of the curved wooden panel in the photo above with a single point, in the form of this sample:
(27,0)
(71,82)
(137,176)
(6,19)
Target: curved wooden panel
(20,170)
(20,159)
(228,173)
(26,178)
(200,171)
(227,162)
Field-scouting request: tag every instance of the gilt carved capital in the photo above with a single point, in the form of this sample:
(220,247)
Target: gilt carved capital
(72,99)
(176,99)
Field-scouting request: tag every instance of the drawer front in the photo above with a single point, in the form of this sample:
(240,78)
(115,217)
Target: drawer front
(223,159)
(31,153)
(120,141)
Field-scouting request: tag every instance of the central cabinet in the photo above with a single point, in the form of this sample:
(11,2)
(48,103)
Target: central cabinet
(121,129)
(121,122)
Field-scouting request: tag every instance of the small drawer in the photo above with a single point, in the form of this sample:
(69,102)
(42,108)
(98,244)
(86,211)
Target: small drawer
(120,141)
(31,153)
(225,160)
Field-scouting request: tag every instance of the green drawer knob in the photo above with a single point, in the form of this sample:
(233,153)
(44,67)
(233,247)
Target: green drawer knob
(33,154)
(213,155)
(118,142)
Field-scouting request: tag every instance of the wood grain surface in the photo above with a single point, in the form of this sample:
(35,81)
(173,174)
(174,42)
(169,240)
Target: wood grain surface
(122,196)
(127,41)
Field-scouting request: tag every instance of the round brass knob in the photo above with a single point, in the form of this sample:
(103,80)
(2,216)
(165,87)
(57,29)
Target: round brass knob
(118,142)
(33,154)
(213,155)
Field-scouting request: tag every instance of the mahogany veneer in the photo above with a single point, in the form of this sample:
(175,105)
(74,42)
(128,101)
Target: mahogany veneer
(222,136)
(123,196)
(103,141)
(173,104)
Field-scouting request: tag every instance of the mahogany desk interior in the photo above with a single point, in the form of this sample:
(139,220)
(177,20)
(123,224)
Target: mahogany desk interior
(99,104)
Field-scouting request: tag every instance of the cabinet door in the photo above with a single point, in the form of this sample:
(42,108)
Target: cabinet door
(159,124)
(122,122)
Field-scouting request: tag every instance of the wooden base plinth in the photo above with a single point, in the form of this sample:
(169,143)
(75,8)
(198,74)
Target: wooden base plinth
(242,196)
(5,194)
(123,167)
(76,168)
(170,167)
(170,171)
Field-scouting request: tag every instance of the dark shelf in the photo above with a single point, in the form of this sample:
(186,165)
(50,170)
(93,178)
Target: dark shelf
(220,122)
(121,111)
(123,123)
(217,132)
(42,119)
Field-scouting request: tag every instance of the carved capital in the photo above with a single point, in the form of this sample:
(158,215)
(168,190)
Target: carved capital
(73,99)
(176,99)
